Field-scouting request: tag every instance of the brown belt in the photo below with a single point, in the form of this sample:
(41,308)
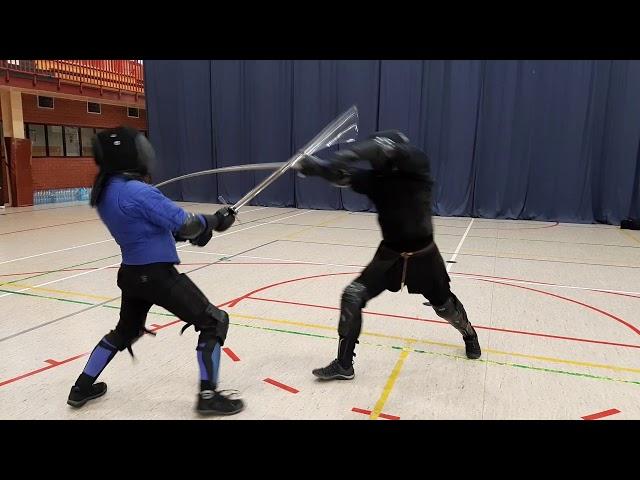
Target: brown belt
(406,256)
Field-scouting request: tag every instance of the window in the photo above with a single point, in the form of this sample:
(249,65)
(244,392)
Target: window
(94,108)
(45,102)
(86,134)
(133,112)
(54,137)
(35,133)
(60,141)
(72,141)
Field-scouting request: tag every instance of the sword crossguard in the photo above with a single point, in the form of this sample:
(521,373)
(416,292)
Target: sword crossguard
(231,209)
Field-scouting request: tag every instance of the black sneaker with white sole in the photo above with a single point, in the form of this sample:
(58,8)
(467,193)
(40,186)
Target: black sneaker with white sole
(334,371)
(212,402)
(77,397)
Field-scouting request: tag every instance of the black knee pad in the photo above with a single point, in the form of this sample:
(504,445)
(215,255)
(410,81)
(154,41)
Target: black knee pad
(213,324)
(354,298)
(121,340)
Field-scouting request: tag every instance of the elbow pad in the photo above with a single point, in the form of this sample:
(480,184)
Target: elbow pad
(192,227)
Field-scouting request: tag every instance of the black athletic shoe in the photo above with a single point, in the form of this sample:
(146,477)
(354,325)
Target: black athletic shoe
(334,371)
(211,402)
(78,398)
(472,347)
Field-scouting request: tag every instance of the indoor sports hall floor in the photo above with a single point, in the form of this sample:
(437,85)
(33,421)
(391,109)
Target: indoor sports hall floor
(555,307)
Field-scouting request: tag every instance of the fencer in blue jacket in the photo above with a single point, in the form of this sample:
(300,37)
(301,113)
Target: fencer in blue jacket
(146,226)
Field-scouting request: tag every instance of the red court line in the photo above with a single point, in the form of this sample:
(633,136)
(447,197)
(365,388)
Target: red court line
(231,355)
(618,293)
(509,229)
(280,385)
(541,283)
(606,413)
(586,305)
(311,263)
(235,301)
(442,322)
(181,264)
(48,367)
(157,327)
(48,271)
(54,363)
(252,263)
(368,412)
(536,228)
(36,210)
(49,226)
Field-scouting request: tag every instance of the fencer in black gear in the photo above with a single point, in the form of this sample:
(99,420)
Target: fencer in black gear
(400,186)
(146,226)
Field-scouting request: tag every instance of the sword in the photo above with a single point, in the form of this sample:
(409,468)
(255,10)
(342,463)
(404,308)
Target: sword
(235,168)
(342,129)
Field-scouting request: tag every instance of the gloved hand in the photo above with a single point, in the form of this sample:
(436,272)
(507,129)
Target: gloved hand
(202,239)
(225,218)
(336,170)
(219,221)
(308,166)
(178,238)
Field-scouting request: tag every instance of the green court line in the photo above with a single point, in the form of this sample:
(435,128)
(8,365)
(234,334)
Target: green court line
(58,270)
(394,347)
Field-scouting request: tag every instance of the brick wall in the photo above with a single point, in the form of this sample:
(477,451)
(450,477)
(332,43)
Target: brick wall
(69,172)
(53,173)
(74,113)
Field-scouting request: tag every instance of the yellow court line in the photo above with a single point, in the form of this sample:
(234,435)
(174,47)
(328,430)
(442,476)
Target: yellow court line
(381,335)
(567,362)
(282,321)
(627,234)
(311,227)
(448,345)
(386,391)
(63,292)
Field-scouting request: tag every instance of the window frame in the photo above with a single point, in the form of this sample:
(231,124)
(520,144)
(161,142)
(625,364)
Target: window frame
(64,141)
(94,113)
(53,102)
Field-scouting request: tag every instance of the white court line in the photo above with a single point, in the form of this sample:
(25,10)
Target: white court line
(457,250)
(80,246)
(274,259)
(542,284)
(457,275)
(262,224)
(118,263)
(61,279)
(56,251)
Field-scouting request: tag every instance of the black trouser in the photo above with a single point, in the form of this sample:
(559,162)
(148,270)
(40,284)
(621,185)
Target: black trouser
(160,284)
(422,272)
